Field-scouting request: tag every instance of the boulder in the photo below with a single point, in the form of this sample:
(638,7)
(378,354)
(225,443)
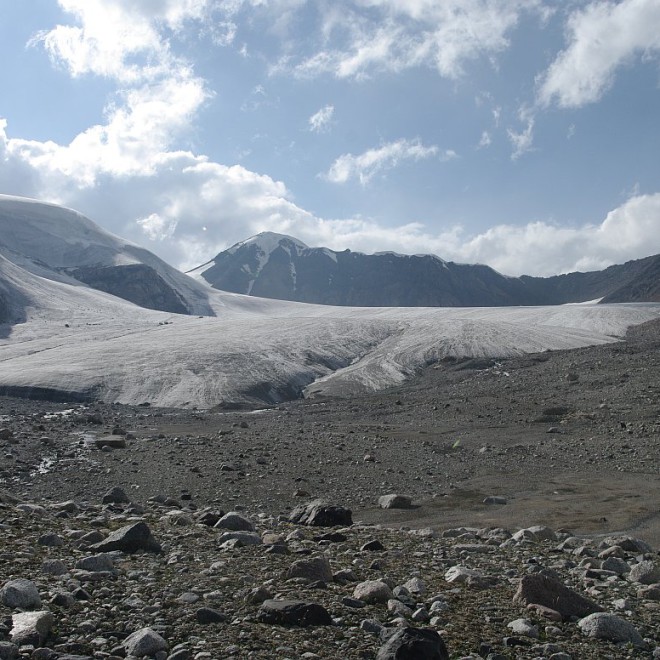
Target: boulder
(394,501)
(293,613)
(540,589)
(144,642)
(414,644)
(116,495)
(602,625)
(21,594)
(31,627)
(373,591)
(314,569)
(130,538)
(646,572)
(235,522)
(320,514)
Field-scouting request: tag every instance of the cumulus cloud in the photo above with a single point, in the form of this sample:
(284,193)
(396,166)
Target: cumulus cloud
(369,36)
(320,121)
(365,166)
(630,231)
(603,37)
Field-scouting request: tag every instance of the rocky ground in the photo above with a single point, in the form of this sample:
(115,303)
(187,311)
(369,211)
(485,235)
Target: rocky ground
(568,440)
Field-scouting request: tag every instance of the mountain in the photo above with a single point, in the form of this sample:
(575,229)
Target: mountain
(63,245)
(61,339)
(273,265)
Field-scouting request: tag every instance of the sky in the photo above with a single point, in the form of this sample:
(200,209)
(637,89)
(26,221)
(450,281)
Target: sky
(523,134)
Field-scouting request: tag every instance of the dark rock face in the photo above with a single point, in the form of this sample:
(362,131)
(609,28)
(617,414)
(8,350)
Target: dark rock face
(137,283)
(130,538)
(414,644)
(320,514)
(276,266)
(294,613)
(539,589)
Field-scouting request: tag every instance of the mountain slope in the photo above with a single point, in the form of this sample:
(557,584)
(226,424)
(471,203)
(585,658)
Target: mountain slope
(277,266)
(63,245)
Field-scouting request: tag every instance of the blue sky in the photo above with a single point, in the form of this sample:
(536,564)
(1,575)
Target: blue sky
(524,134)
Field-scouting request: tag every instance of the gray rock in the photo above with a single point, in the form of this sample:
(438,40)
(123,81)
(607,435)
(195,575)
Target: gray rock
(20,593)
(96,563)
(53,567)
(31,627)
(144,642)
(207,615)
(373,591)
(543,590)
(652,592)
(524,627)
(8,651)
(602,625)
(180,654)
(111,441)
(646,572)
(235,522)
(293,613)
(414,644)
(239,539)
(314,569)
(50,540)
(616,565)
(131,538)
(116,495)
(416,586)
(321,514)
(460,574)
(394,501)
(495,499)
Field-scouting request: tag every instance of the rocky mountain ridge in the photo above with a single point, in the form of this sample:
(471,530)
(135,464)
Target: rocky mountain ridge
(277,266)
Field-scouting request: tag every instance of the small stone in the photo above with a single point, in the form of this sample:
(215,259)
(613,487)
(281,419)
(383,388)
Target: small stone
(144,642)
(236,522)
(373,591)
(116,495)
(460,574)
(646,572)
(602,625)
(372,546)
(524,627)
(21,594)
(96,563)
(395,501)
(540,589)
(207,615)
(31,627)
(416,586)
(319,514)
(53,567)
(413,644)
(130,538)
(495,499)
(8,651)
(293,613)
(314,569)
(111,442)
(50,540)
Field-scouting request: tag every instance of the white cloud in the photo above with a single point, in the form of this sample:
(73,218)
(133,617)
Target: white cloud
(485,140)
(364,166)
(540,248)
(603,37)
(319,122)
(523,140)
(368,36)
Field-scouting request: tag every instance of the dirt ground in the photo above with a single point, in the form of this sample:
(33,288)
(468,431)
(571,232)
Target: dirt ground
(569,439)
